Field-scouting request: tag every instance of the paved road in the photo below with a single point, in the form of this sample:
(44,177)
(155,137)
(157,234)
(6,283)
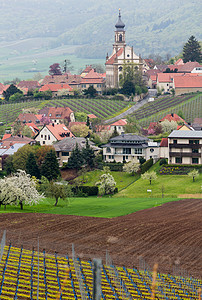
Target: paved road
(135,107)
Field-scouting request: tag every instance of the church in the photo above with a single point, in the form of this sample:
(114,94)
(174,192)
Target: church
(121,55)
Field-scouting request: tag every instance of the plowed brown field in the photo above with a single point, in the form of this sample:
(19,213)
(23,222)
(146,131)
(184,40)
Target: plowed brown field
(170,235)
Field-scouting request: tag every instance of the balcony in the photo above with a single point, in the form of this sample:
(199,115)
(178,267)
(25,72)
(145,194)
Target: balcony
(184,154)
(190,146)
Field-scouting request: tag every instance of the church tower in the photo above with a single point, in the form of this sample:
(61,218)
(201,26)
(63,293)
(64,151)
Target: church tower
(121,55)
(119,33)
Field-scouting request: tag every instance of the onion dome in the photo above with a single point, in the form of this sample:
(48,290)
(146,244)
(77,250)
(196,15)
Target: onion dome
(120,25)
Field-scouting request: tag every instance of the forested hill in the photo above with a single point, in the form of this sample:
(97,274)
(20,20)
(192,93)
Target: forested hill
(152,26)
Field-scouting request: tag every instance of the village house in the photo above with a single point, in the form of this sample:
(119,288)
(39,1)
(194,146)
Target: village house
(58,115)
(93,79)
(57,88)
(187,84)
(30,118)
(52,133)
(30,85)
(72,80)
(65,147)
(126,147)
(185,147)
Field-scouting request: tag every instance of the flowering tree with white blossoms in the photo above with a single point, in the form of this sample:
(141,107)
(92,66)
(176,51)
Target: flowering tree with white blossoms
(19,189)
(107,184)
(131,167)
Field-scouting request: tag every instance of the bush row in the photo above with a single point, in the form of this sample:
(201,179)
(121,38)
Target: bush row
(146,165)
(178,169)
(85,190)
(112,165)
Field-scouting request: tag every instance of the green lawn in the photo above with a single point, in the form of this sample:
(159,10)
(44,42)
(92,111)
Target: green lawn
(105,207)
(174,185)
(122,179)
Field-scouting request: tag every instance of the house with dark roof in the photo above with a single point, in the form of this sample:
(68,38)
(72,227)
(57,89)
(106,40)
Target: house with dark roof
(65,147)
(28,84)
(126,147)
(185,147)
(28,118)
(52,133)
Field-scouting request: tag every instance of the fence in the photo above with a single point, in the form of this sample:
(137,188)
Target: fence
(3,243)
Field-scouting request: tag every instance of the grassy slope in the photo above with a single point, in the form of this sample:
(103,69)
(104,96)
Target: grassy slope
(122,179)
(106,207)
(173,186)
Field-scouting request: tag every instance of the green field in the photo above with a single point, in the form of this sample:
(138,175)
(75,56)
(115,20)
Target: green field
(173,185)
(104,207)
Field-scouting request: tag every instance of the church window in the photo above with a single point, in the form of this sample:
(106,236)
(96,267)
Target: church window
(120,68)
(128,55)
(120,38)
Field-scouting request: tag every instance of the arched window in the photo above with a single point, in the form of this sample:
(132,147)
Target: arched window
(120,38)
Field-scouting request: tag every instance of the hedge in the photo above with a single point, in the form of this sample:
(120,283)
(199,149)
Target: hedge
(179,169)
(85,190)
(112,165)
(146,165)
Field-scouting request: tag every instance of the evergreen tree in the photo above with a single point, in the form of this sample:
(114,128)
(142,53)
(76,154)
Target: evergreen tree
(50,167)
(11,90)
(88,155)
(115,133)
(31,166)
(88,122)
(192,50)
(76,159)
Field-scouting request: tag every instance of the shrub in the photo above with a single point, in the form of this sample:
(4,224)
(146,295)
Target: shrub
(163,161)
(85,190)
(147,165)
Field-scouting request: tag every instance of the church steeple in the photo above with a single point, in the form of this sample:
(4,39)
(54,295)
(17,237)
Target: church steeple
(119,33)
(119,25)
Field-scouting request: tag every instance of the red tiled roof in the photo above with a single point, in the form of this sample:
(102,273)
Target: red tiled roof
(121,122)
(111,60)
(92,81)
(179,62)
(87,69)
(188,67)
(188,82)
(58,130)
(30,85)
(149,62)
(53,87)
(152,125)
(33,126)
(172,117)
(60,113)
(1,87)
(59,79)
(92,116)
(76,123)
(164,142)
(19,139)
(27,117)
(6,136)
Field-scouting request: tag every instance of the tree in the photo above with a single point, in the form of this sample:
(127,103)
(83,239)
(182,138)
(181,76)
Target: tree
(45,120)
(31,166)
(149,176)
(20,157)
(115,133)
(19,189)
(99,68)
(26,131)
(67,66)
(55,69)
(88,155)
(50,166)
(132,125)
(192,50)
(168,126)
(76,159)
(106,184)
(11,90)
(193,174)
(17,127)
(80,130)
(131,167)
(80,116)
(57,191)
(16,97)
(9,168)
(41,152)
(128,88)
(88,122)
(91,92)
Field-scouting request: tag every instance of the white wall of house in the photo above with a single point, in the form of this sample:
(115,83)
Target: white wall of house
(163,152)
(45,137)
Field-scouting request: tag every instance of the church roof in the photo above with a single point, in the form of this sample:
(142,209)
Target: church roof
(119,25)
(111,60)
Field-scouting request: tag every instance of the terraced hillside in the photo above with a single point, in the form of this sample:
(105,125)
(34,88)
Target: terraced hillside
(190,105)
(22,272)
(101,108)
